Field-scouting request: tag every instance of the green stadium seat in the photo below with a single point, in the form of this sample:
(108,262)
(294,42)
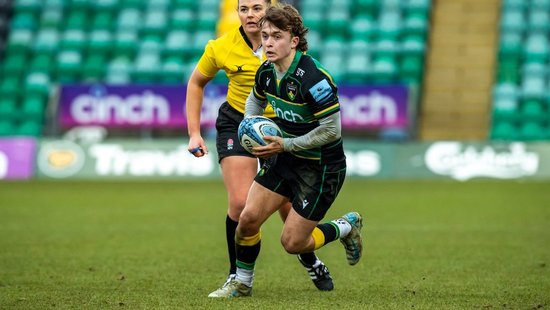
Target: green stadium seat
(385,48)
(7,128)
(47,41)
(358,68)
(129,19)
(19,40)
(146,68)
(539,21)
(384,70)
(191,4)
(10,87)
(536,48)
(411,69)
(103,21)
(126,44)
(337,22)
(514,4)
(119,71)
(389,25)
(532,131)
(37,84)
(533,109)
(61,4)
(182,19)
(363,27)
(207,20)
(51,19)
(417,6)
(41,63)
(335,65)
(177,44)
(155,23)
(69,65)
(540,5)
(133,4)
(100,42)
(504,130)
(505,108)
(73,40)
(28,6)
(14,64)
(77,19)
(199,40)
(94,68)
(30,128)
(173,70)
(8,108)
(105,5)
(164,5)
(368,7)
(314,19)
(81,5)
(533,87)
(33,108)
(416,24)
(26,21)
(512,21)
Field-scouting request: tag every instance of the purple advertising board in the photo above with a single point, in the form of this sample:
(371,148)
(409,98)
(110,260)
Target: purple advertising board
(163,106)
(17,158)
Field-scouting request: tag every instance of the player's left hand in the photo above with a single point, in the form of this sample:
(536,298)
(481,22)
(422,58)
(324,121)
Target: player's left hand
(274,146)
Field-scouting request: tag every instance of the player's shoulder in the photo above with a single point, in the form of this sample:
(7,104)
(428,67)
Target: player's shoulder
(312,70)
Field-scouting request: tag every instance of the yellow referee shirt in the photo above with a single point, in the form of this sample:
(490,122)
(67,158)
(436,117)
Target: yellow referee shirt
(233,53)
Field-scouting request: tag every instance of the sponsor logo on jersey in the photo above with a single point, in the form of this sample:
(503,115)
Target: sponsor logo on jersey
(321,91)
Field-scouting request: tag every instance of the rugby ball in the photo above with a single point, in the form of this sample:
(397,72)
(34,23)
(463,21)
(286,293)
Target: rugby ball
(253,129)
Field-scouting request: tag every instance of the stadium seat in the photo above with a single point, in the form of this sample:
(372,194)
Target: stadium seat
(532,131)
(77,19)
(173,70)
(539,21)
(8,108)
(19,40)
(384,70)
(537,48)
(505,108)
(24,21)
(129,19)
(363,27)
(119,71)
(7,128)
(183,19)
(29,128)
(103,21)
(73,40)
(504,130)
(155,23)
(533,109)
(533,87)
(389,25)
(68,66)
(46,41)
(540,5)
(41,63)
(177,44)
(14,64)
(9,87)
(94,68)
(126,44)
(512,21)
(51,19)
(100,42)
(514,4)
(33,108)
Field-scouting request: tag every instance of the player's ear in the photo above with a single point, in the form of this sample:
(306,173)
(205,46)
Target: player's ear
(294,42)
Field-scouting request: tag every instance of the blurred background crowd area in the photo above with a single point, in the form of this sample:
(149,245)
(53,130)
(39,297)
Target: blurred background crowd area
(478,70)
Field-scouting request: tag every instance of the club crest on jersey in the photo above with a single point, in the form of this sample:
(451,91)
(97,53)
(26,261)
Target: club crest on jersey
(291,90)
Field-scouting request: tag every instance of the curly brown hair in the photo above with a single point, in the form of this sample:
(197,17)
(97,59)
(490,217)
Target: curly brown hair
(287,18)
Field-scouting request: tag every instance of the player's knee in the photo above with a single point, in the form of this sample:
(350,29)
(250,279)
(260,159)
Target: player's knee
(248,224)
(291,245)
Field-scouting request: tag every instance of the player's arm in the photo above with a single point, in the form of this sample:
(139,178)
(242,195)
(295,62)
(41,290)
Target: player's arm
(329,130)
(193,102)
(254,106)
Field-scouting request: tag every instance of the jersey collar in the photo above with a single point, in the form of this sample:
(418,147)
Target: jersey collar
(245,38)
(295,62)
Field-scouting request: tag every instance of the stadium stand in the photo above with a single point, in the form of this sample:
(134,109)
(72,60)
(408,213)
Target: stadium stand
(44,43)
(521,100)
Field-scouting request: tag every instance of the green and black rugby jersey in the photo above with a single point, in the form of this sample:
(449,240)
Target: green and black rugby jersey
(305,94)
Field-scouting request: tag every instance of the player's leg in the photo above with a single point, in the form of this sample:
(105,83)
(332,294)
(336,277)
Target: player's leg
(238,173)
(317,187)
(315,267)
(261,204)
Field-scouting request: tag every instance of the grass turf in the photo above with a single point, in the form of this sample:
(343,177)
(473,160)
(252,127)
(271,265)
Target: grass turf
(160,245)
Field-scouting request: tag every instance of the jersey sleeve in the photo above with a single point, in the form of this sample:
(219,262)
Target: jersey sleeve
(260,83)
(207,65)
(322,95)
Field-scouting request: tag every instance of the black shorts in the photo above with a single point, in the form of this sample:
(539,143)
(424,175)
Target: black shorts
(312,187)
(227,141)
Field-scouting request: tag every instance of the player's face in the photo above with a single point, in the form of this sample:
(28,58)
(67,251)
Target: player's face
(250,12)
(277,44)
